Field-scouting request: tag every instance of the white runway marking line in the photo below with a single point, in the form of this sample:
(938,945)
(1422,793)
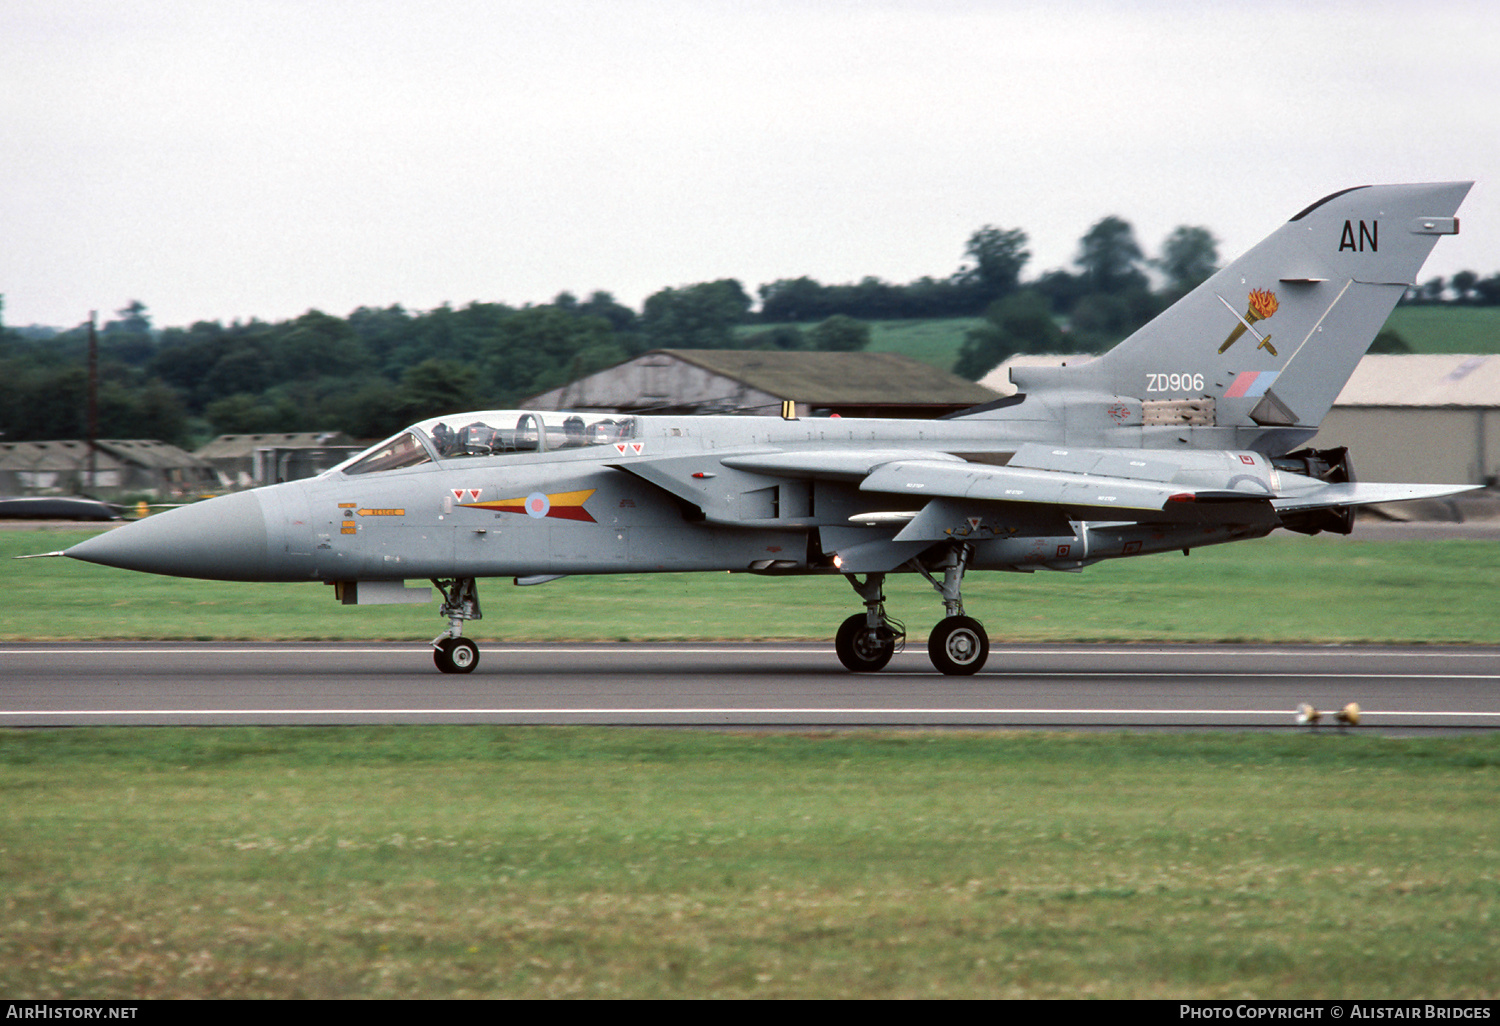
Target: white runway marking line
(709,648)
(721,711)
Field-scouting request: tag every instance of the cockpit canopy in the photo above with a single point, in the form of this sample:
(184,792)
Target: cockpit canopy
(494,433)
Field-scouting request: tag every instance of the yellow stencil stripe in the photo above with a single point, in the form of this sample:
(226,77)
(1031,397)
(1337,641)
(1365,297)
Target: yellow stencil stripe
(559,499)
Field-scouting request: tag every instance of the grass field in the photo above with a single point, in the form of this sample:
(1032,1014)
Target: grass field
(1448,329)
(935,341)
(932,341)
(1287,588)
(533,862)
(579,862)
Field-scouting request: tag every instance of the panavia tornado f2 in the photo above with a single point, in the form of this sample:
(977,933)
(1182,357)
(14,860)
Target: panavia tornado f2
(1185,434)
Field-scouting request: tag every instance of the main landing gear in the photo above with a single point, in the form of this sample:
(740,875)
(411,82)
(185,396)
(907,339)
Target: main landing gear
(866,641)
(957,646)
(452,652)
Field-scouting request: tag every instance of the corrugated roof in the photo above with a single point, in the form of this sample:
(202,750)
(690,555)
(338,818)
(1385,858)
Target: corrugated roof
(53,456)
(832,379)
(146,452)
(226,446)
(112,453)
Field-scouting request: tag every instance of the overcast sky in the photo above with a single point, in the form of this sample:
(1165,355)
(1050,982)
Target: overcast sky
(229,159)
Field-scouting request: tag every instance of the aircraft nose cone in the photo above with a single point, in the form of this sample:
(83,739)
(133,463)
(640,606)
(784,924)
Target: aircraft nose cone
(221,539)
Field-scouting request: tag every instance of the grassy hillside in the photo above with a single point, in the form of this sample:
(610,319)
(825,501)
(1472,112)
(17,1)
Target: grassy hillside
(1448,329)
(933,341)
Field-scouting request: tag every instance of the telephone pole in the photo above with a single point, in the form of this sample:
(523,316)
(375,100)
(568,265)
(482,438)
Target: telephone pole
(93,425)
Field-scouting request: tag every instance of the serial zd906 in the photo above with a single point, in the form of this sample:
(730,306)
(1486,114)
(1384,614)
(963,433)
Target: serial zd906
(1184,382)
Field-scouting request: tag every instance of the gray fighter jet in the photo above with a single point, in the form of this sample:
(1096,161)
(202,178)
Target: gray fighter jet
(1186,434)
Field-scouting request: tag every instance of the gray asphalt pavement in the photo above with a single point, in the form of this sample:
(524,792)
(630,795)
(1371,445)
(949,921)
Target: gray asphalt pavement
(747,686)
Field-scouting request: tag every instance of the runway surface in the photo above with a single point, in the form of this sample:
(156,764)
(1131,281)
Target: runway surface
(747,685)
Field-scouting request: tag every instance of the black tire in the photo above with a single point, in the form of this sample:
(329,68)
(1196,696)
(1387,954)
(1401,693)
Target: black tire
(958,646)
(859,650)
(456,655)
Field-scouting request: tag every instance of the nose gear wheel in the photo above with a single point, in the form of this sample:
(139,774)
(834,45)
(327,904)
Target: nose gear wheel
(456,655)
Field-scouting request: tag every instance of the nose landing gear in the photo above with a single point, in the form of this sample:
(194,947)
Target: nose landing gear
(451,652)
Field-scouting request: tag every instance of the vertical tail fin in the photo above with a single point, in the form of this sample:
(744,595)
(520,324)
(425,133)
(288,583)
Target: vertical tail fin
(1276,334)
(1270,340)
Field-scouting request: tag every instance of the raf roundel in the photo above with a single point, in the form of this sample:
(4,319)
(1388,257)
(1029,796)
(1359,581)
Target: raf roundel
(537,505)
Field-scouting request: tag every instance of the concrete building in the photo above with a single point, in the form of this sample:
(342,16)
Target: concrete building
(118,465)
(247,461)
(1418,418)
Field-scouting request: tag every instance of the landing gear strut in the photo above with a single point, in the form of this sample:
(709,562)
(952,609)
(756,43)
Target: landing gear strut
(452,652)
(866,641)
(958,645)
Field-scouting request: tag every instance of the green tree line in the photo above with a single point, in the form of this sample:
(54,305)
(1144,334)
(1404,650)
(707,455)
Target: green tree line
(368,374)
